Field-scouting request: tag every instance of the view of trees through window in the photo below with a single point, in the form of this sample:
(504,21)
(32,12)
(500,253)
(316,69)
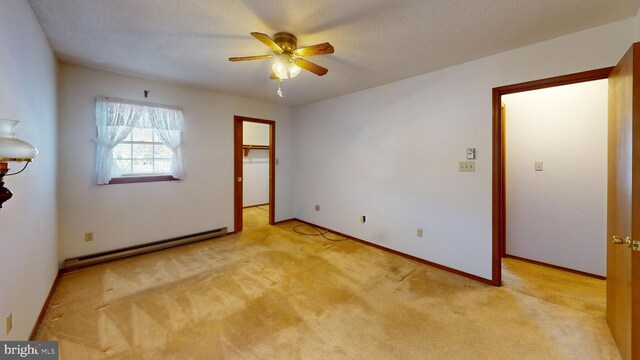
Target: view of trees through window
(142,153)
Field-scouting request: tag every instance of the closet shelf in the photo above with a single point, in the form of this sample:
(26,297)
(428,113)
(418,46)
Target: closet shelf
(248,148)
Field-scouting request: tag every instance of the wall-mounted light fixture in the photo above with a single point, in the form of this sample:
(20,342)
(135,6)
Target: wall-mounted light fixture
(12,150)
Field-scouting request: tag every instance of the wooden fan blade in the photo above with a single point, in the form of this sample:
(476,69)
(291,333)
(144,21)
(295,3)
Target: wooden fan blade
(318,49)
(309,66)
(265,39)
(247,58)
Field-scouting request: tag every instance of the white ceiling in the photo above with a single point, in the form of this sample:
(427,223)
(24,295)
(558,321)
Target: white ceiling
(376,41)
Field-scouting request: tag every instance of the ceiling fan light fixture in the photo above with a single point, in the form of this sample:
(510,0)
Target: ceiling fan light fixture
(280,70)
(280,66)
(294,69)
(284,67)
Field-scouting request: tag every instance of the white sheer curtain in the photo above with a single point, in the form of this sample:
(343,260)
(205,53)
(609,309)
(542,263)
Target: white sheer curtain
(169,124)
(114,122)
(115,118)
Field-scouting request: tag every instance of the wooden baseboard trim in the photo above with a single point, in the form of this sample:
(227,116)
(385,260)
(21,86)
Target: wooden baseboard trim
(411,257)
(45,306)
(535,262)
(283,221)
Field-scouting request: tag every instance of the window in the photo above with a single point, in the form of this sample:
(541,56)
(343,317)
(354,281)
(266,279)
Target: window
(137,142)
(141,153)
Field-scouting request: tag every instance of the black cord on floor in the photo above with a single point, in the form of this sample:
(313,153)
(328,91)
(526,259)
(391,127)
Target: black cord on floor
(318,233)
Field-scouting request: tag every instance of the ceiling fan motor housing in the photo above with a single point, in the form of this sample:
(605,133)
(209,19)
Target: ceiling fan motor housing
(288,42)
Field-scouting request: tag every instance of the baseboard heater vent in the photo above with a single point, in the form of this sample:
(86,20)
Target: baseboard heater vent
(87,260)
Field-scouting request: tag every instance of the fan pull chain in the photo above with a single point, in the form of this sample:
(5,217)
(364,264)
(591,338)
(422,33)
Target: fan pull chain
(279,92)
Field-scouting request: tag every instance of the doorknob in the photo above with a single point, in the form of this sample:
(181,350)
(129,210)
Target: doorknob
(239,178)
(618,240)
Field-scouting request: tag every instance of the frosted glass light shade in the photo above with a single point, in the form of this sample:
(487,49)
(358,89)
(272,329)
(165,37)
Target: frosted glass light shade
(11,148)
(294,70)
(284,67)
(279,66)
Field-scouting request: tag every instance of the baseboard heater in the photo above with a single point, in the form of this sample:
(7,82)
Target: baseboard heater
(87,260)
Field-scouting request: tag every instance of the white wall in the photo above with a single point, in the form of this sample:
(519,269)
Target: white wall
(28,250)
(391,152)
(127,214)
(636,27)
(558,215)
(255,133)
(255,172)
(255,166)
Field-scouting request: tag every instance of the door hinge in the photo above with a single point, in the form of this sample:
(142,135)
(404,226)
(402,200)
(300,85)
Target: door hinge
(635,245)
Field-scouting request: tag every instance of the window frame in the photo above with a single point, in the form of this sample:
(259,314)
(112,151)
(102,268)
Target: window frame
(142,177)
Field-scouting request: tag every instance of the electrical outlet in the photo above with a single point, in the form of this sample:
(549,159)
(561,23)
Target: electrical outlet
(363,219)
(8,323)
(88,236)
(467,166)
(538,165)
(420,232)
(317,207)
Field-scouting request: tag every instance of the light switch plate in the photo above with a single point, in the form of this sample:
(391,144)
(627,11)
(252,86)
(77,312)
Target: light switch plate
(538,165)
(88,236)
(467,166)
(419,232)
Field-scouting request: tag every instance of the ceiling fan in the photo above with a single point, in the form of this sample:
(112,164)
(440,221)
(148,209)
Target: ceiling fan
(288,59)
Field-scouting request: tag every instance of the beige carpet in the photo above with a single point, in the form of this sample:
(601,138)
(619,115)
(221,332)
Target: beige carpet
(269,293)
(559,287)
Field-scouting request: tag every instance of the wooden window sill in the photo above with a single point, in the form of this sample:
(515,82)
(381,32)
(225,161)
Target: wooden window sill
(141,179)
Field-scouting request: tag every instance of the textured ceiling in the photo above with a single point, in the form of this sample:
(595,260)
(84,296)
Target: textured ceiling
(376,41)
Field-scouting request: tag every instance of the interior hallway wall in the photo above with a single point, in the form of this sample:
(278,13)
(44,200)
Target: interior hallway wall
(255,166)
(392,152)
(28,247)
(558,215)
(128,214)
(636,27)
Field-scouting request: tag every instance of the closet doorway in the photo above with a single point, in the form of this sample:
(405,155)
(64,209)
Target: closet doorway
(253,138)
(535,167)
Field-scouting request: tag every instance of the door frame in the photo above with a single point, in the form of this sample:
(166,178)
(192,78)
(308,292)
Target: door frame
(238,155)
(498,157)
